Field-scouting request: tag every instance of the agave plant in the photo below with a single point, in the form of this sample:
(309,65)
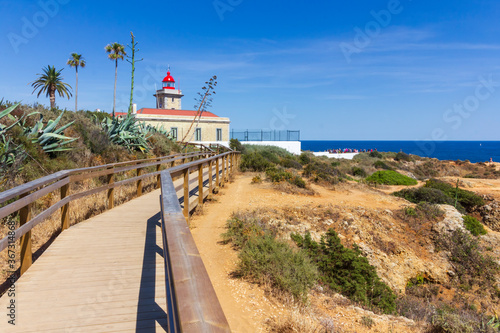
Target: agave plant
(9,152)
(154,129)
(126,132)
(51,139)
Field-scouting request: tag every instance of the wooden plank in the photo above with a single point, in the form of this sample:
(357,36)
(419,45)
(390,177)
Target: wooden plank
(34,184)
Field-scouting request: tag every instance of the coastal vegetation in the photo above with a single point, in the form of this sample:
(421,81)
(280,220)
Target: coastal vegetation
(37,141)
(269,261)
(390,177)
(463,300)
(347,271)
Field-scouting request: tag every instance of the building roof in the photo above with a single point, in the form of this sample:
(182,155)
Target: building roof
(168,78)
(168,112)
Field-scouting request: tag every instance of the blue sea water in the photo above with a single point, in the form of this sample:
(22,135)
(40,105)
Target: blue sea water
(474,151)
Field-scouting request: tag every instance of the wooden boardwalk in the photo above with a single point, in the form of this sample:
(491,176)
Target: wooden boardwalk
(105,274)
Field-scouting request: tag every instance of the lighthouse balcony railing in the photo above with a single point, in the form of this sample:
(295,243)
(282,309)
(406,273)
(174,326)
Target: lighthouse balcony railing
(266,135)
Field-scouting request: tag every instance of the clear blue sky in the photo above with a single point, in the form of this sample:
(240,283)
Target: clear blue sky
(367,70)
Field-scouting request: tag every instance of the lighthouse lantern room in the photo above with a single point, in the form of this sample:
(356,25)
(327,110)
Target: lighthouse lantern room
(168,97)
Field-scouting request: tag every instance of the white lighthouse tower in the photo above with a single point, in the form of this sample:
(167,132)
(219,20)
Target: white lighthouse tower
(168,97)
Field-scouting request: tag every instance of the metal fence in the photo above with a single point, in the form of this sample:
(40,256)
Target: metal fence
(262,135)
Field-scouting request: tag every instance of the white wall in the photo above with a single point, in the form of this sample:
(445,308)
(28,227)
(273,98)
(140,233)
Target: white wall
(293,147)
(347,156)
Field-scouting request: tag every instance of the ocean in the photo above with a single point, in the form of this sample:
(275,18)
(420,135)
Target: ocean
(474,151)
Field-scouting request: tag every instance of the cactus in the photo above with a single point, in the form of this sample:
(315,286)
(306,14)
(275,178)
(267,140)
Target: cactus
(51,139)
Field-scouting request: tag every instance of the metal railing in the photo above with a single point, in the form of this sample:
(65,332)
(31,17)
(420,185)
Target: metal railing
(265,135)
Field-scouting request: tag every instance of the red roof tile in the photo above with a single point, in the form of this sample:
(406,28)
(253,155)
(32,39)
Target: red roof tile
(167,112)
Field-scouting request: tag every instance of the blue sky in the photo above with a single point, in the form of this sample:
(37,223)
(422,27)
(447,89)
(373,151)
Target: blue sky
(363,70)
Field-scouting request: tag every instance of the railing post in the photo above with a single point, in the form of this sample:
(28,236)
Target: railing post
(217,166)
(111,191)
(26,254)
(139,182)
(65,208)
(158,177)
(186,194)
(223,167)
(210,177)
(200,184)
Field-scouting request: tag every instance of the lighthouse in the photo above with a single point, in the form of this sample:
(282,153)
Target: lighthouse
(168,97)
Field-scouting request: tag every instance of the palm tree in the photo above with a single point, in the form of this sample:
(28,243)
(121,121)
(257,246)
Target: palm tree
(49,82)
(76,61)
(116,51)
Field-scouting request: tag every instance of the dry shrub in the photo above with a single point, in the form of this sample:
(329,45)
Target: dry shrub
(286,187)
(298,321)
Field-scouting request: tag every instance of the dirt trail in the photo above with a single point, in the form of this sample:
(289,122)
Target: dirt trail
(239,300)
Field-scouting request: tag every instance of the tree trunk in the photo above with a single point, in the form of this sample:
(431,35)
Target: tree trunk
(114,94)
(76,96)
(52,96)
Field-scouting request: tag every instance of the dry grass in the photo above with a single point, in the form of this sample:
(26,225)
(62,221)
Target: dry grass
(82,209)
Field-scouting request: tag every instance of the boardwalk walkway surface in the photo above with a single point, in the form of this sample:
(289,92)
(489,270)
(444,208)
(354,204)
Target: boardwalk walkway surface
(105,274)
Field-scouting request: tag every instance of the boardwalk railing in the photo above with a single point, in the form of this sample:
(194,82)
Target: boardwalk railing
(24,196)
(191,300)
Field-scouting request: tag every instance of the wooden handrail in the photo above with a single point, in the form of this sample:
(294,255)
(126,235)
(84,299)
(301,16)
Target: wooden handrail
(192,303)
(28,193)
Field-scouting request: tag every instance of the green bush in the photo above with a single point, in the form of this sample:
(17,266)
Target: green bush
(235,144)
(402,157)
(389,177)
(467,199)
(376,154)
(264,259)
(474,226)
(254,162)
(305,158)
(426,194)
(290,162)
(347,271)
(272,262)
(239,230)
(277,175)
(298,181)
(319,170)
(381,165)
(357,171)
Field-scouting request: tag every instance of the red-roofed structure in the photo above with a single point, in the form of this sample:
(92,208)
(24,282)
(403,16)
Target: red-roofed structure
(181,123)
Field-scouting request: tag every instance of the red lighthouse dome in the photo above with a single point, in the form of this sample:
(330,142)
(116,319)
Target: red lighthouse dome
(168,81)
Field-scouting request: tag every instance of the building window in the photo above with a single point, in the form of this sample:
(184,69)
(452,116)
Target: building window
(172,99)
(173,130)
(197,134)
(218,136)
